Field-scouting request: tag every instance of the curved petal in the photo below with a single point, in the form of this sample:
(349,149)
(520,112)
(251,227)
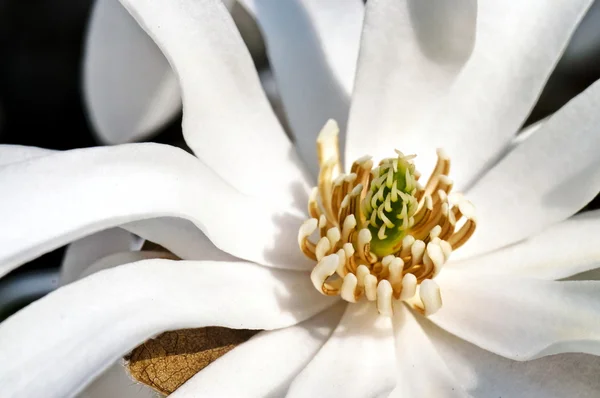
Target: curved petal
(56,199)
(562,250)
(475,117)
(544,180)
(421,370)
(410,53)
(84,252)
(357,361)
(484,374)
(227,119)
(518,45)
(313,48)
(267,80)
(133,302)
(115,382)
(128,86)
(521,318)
(19,153)
(117,259)
(525,133)
(191,242)
(265,365)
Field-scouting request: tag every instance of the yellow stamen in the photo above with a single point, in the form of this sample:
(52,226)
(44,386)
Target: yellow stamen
(382,235)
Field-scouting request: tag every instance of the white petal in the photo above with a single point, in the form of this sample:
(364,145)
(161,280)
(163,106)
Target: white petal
(227,119)
(129,88)
(267,80)
(191,243)
(562,250)
(544,180)
(525,134)
(18,153)
(517,45)
(84,252)
(266,364)
(61,342)
(56,199)
(421,370)
(484,374)
(357,361)
(117,259)
(410,54)
(520,318)
(313,48)
(116,382)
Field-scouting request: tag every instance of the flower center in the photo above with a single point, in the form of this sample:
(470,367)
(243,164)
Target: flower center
(381,234)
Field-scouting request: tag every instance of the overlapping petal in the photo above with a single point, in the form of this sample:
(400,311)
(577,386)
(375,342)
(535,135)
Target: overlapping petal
(357,360)
(116,259)
(521,318)
(84,252)
(227,119)
(517,46)
(471,103)
(72,194)
(129,87)
(67,338)
(484,374)
(411,52)
(313,48)
(421,370)
(546,179)
(266,364)
(191,242)
(562,250)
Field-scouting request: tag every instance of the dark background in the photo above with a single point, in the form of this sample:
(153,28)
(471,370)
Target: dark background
(41,49)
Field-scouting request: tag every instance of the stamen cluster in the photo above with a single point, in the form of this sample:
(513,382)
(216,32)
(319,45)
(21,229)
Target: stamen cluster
(382,235)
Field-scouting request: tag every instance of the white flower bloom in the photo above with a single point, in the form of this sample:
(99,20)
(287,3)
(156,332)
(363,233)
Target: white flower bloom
(454,76)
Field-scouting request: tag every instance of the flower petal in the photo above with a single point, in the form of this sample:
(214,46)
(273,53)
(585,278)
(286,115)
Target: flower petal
(56,199)
(475,116)
(484,374)
(520,318)
(227,119)
(518,44)
(544,180)
(129,88)
(313,48)
(357,360)
(84,252)
(410,54)
(115,382)
(191,242)
(421,370)
(18,153)
(133,302)
(266,364)
(117,259)
(562,250)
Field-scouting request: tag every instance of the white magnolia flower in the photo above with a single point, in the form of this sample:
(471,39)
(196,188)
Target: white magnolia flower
(454,76)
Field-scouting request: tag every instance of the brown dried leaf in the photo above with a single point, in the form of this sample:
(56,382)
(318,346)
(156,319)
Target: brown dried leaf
(169,360)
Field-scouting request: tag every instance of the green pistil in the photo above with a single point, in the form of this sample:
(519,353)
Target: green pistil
(390,204)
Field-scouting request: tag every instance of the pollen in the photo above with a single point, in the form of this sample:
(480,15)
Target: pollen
(377,234)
